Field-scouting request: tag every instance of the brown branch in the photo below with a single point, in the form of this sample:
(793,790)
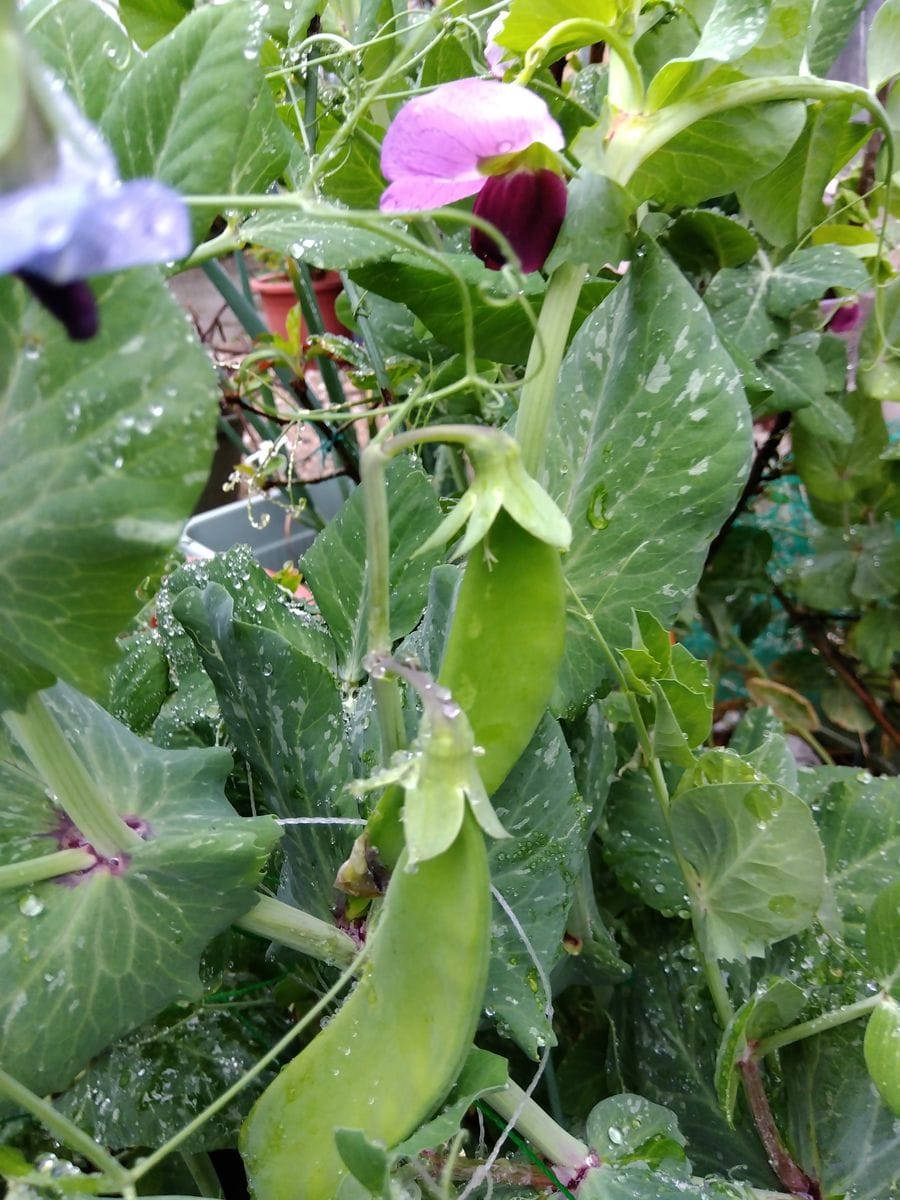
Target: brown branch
(838,662)
(789,1172)
(761,460)
(866,182)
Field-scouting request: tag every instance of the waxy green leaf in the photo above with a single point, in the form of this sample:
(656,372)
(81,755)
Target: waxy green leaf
(644,491)
(119,432)
(757,856)
(99,953)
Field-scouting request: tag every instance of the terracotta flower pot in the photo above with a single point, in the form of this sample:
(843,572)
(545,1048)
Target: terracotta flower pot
(276,297)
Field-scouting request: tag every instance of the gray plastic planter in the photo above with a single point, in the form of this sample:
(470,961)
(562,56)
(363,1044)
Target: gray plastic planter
(211,532)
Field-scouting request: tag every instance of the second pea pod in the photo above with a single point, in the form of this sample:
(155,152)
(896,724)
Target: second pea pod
(383,1064)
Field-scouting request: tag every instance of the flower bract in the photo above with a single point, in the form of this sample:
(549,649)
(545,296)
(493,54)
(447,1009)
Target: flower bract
(480,137)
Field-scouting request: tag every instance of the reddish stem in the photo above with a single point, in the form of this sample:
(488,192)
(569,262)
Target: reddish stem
(791,1175)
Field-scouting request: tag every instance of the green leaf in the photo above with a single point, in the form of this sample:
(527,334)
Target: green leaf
(775,1004)
(796,378)
(101,953)
(196,111)
(883,938)
(737,299)
(534,871)
(849,565)
(841,1132)
(847,482)
(332,245)
(715,156)
(757,856)
(859,821)
(283,713)
(637,846)
(731,28)
(595,229)
(637,1181)
(883,45)
(140,682)
(354,179)
(831,24)
(529,20)
(84,46)
(808,274)
(876,638)
(149,20)
(669,1037)
(334,566)
(628,1128)
(482,1072)
(760,740)
(882,1051)
(878,375)
(147,1086)
(367,1161)
(133,418)
(644,491)
(785,203)
(704,241)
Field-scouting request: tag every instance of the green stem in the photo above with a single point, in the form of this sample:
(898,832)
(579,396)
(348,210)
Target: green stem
(542,371)
(299,930)
(37,732)
(807,1029)
(33,870)
(714,979)
(553,1142)
(224,243)
(203,1174)
(63,1129)
(583,31)
(637,139)
(378,577)
(140,1169)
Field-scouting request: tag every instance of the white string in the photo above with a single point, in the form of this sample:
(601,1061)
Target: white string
(484,1169)
(321,820)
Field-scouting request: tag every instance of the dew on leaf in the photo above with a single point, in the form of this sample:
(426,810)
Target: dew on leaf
(31,906)
(597,508)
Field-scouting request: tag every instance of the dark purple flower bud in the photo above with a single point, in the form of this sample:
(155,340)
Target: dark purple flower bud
(72,304)
(528,208)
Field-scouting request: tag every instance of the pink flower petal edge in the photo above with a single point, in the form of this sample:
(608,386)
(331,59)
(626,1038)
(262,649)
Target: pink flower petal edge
(442,136)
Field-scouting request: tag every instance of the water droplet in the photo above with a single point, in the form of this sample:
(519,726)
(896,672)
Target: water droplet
(615,1135)
(596,512)
(31,906)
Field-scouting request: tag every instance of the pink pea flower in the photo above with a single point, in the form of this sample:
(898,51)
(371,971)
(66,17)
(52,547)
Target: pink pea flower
(496,56)
(478,137)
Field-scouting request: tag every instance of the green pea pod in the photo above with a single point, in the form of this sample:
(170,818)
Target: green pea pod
(389,1056)
(506,643)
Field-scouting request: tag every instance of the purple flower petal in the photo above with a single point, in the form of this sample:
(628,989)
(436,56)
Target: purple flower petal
(131,225)
(444,135)
(71,303)
(498,58)
(528,207)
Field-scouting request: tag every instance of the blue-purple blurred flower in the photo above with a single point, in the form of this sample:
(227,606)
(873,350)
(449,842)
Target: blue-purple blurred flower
(66,215)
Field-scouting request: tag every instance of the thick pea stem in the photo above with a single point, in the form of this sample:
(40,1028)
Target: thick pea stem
(298,930)
(378,579)
(544,358)
(48,866)
(807,1029)
(553,1142)
(63,1129)
(37,732)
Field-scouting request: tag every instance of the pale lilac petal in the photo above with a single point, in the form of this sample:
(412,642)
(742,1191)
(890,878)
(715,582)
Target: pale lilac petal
(496,56)
(445,134)
(131,225)
(413,192)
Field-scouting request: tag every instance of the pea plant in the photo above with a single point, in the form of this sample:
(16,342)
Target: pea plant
(549,845)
